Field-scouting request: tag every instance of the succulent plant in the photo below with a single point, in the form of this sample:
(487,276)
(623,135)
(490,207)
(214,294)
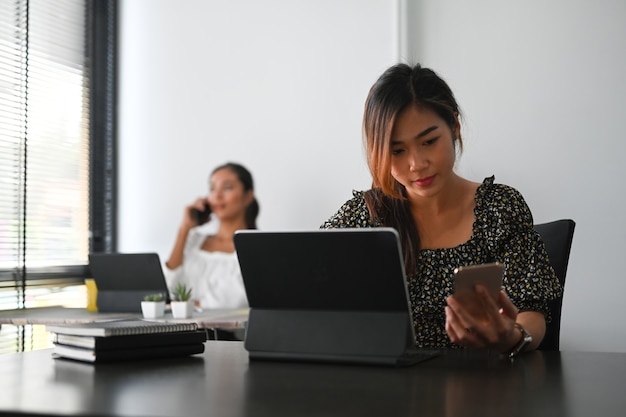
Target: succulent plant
(154,297)
(181,292)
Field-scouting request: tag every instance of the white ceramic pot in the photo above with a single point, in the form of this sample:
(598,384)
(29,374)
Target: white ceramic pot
(153,309)
(182,309)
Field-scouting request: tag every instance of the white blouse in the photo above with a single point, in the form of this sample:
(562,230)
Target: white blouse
(214,277)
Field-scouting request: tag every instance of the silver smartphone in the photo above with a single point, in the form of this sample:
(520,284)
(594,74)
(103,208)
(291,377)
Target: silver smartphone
(465,280)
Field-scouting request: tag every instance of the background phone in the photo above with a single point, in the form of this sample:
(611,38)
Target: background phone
(466,278)
(199,216)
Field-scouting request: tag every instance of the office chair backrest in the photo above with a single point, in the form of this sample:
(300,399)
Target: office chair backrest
(557,236)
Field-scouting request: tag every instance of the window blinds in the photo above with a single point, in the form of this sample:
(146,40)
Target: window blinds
(44,138)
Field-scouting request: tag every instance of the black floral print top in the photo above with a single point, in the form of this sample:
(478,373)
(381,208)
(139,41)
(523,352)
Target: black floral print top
(502,231)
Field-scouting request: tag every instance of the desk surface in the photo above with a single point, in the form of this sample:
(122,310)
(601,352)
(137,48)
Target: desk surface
(223,319)
(222,382)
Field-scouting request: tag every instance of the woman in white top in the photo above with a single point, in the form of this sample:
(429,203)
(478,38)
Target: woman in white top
(208,263)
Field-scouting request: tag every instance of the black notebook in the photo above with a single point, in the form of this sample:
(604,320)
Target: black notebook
(120,327)
(90,355)
(131,341)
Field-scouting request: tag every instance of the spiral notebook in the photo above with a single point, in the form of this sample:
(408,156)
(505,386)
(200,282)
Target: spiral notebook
(129,341)
(120,327)
(155,352)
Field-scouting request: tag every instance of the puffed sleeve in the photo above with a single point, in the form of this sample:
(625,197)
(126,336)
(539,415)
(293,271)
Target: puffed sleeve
(176,275)
(353,213)
(529,280)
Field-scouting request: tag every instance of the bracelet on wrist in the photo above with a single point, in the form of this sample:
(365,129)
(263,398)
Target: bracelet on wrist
(519,347)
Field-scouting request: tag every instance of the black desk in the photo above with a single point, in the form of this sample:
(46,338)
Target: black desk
(222,382)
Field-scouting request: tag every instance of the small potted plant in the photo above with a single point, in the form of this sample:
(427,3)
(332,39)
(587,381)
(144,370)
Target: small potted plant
(153,306)
(182,306)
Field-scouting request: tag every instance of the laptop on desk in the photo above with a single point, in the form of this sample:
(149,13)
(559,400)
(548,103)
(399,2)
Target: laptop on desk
(330,295)
(123,279)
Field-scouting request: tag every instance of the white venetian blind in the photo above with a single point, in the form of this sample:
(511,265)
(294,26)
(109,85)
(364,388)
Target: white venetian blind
(44,136)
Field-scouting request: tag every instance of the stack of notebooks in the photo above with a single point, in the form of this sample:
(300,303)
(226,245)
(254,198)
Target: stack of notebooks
(119,340)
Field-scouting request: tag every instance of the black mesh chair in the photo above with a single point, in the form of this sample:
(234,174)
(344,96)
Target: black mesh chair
(557,236)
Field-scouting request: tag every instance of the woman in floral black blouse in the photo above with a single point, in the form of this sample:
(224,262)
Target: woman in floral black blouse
(412,134)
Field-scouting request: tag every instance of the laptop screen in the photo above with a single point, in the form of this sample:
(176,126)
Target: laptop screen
(327,269)
(123,279)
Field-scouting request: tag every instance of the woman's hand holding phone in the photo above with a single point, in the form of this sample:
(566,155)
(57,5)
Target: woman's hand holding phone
(199,212)
(479,314)
(466,278)
(201,216)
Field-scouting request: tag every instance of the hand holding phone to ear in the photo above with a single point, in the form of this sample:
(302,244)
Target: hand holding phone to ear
(201,216)
(194,215)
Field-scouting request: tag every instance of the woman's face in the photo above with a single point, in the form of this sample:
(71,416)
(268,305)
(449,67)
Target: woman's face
(227,197)
(422,152)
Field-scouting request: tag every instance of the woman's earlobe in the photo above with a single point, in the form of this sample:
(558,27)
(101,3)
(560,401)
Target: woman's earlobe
(250,197)
(457,126)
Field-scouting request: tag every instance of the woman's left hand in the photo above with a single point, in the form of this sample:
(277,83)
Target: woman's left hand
(493,330)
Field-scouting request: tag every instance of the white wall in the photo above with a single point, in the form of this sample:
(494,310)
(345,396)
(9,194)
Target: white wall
(279,86)
(276,85)
(542,87)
